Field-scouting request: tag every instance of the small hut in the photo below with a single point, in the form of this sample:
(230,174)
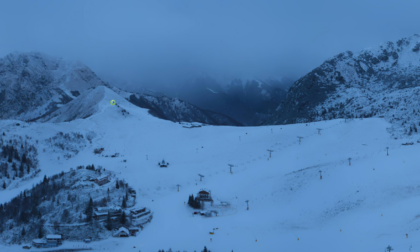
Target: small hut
(163,164)
(122,232)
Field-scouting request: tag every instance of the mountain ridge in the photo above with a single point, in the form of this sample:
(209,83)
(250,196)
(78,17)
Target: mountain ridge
(37,87)
(381,81)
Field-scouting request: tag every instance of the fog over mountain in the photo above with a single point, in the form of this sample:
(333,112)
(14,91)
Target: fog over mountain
(158,43)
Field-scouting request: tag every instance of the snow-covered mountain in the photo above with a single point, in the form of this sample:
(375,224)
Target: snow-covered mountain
(382,81)
(33,84)
(38,87)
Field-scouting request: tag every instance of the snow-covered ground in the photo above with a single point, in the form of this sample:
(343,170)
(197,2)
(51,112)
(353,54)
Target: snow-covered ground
(365,206)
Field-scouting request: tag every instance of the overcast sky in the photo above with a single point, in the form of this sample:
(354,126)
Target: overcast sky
(165,40)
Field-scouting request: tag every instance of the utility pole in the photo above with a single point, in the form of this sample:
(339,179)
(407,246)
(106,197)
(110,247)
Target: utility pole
(349,161)
(178,187)
(247,206)
(201,177)
(387,151)
(270,152)
(230,166)
(319,131)
(300,139)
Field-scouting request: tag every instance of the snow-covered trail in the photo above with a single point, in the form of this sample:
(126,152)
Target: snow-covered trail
(374,202)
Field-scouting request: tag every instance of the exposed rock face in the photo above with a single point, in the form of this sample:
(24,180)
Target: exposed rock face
(382,81)
(177,110)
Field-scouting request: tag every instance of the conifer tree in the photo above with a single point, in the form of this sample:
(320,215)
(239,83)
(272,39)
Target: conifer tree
(23,231)
(16,153)
(40,233)
(21,170)
(124,203)
(123,217)
(10,158)
(109,222)
(116,185)
(4,185)
(89,211)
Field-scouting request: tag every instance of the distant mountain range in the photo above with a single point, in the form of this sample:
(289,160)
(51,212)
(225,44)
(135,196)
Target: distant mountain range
(248,101)
(381,81)
(38,87)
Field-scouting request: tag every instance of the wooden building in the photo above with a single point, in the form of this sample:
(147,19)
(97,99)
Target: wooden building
(54,238)
(102,180)
(134,231)
(101,213)
(204,196)
(39,243)
(139,212)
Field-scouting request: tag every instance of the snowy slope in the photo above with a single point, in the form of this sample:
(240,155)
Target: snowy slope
(381,81)
(82,107)
(374,202)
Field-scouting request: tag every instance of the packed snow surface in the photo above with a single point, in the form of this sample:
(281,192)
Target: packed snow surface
(365,206)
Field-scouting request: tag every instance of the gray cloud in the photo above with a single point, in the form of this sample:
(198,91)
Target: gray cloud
(165,41)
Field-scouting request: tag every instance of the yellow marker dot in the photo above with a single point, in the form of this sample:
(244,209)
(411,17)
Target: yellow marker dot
(113,102)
